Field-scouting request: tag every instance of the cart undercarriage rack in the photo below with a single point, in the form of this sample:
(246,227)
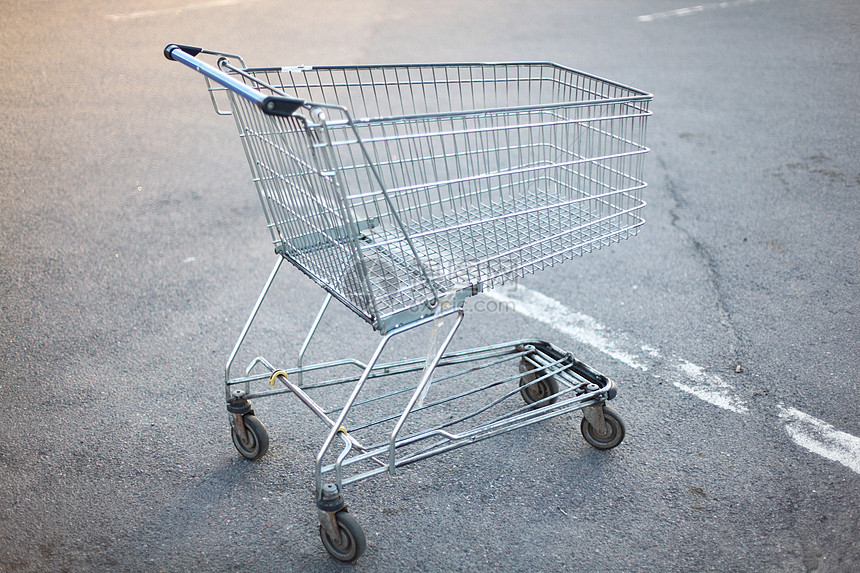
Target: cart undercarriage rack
(402,190)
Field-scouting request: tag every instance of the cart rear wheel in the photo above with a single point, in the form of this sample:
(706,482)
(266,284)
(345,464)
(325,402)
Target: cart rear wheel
(352,539)
(608,439)
(257,443)
(533,392)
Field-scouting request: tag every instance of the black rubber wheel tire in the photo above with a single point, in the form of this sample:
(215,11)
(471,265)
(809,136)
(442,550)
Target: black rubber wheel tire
(614,430)
(258,438)
(539,391)
(352,536)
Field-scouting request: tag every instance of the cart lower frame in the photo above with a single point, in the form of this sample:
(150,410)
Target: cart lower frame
(546,383)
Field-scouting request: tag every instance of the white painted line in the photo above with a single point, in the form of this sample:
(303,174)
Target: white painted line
(696,381)
(689,10)
(810,433)
(174,10)
(709,387)
(578,326)
(671,13)
(821,438)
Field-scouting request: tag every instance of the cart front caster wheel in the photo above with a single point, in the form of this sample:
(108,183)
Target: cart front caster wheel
(611,437)
(352,540)
(538,393)
(257,438)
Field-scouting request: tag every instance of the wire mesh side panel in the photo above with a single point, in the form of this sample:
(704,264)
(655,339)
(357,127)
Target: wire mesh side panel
(302,202)
(494,170)
(494,196)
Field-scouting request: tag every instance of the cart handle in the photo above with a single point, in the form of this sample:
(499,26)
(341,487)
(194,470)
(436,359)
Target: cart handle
(270,105)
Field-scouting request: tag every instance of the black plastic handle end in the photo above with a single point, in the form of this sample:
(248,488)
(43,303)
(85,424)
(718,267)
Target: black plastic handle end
(190,50)
(281,106)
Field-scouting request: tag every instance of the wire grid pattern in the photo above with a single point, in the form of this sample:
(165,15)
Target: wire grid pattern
(491,170)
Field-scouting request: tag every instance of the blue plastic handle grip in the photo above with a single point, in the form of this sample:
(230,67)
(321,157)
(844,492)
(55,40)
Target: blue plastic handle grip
(271,105)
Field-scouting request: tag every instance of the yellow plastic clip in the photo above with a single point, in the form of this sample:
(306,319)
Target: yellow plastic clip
(275,376)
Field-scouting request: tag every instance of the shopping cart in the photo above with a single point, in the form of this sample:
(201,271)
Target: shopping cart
(402,190)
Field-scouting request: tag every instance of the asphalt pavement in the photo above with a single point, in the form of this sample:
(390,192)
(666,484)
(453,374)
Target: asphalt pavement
(132,247)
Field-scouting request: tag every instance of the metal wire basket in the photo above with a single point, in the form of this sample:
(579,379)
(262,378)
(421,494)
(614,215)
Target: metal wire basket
(392,186)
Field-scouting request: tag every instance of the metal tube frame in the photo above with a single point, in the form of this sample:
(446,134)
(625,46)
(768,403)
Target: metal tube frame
(567,371)
(570,375)
(338,426)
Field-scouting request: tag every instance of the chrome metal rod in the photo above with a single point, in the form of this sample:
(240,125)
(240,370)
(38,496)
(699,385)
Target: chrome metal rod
(318,410)
(310,335)
(425,379)
(250,320)
(339,423)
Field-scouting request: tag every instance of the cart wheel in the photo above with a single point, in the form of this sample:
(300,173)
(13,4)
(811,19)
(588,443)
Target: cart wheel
(611,437)
(258,438)
(352,540)
(538,391)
